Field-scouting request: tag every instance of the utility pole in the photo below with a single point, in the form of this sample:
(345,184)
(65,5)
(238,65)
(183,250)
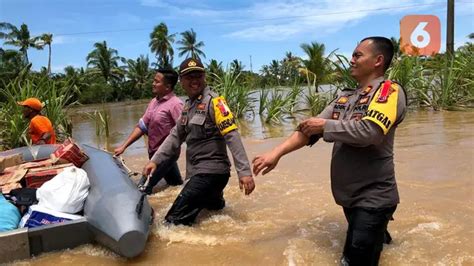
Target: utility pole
(450,28)
(251,63)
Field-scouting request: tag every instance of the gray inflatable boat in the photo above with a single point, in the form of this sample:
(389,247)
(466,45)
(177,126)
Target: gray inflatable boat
(116,214)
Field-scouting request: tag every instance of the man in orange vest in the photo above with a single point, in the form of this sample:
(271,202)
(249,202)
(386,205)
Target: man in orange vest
(40,129)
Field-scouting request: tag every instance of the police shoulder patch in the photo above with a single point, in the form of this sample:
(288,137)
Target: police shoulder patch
(383,109)
(225,120)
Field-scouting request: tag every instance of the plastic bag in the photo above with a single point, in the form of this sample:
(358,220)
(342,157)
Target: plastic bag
(66,192)
(39,216)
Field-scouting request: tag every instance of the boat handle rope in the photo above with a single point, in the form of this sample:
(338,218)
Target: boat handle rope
(129,171)
(139,207)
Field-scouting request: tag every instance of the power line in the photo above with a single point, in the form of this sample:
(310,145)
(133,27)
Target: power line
(261,20)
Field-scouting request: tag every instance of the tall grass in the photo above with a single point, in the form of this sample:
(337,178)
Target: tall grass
(238,96)
(101,119)
(441,82)
(342,74)
(55,95)
(411,74)
(276,106)
(293,95)
(263,99)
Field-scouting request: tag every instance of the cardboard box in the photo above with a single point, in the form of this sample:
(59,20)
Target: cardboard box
(69,152)
(9,187)
(10,160)
(36,177)
(11,178)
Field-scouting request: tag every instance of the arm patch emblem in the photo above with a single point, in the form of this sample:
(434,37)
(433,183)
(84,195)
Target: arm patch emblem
(383,109)
(225,120)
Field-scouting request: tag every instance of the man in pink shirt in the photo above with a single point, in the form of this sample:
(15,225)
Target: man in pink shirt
(160,117)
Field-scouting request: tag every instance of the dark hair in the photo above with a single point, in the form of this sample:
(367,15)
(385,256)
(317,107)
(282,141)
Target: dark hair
(384,46)
(170,76)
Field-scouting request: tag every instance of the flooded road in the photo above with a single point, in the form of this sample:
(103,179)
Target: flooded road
(291,217)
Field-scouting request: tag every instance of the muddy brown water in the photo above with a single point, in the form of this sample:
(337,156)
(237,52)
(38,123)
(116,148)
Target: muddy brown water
(291,217)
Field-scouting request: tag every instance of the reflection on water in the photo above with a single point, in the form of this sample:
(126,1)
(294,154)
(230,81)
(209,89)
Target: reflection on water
(124,117)
(291,218)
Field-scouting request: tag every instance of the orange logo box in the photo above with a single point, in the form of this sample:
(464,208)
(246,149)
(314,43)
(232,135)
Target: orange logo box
(420,35)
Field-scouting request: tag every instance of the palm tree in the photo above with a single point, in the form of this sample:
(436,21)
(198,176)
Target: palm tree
(317,63)
(161,45)
(47,39)
(104,61)
(289,66)
(190,47)
(20,38)
(215,67)
(11,64)
(216,70)
(396,47)
(275,70)
(236,66)
(139,74)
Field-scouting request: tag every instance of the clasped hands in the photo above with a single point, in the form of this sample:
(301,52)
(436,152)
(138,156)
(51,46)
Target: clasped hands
(312,126)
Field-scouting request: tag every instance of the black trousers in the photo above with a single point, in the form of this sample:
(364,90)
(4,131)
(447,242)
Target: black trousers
(169,171)
(203,191)
(366,234)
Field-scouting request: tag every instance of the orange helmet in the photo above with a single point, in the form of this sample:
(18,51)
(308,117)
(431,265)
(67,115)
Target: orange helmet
(33,103)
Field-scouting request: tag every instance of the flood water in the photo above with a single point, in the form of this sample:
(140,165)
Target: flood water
(291,217)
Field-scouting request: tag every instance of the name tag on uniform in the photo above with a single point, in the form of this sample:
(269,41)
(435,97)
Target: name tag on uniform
(198,119)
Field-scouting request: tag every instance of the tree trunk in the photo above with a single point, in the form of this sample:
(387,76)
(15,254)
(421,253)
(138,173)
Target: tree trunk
(49,60)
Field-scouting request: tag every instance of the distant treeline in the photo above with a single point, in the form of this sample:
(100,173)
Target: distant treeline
(438,82)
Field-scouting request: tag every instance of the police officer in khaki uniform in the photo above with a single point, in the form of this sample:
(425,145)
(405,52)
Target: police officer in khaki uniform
(361,123)
(208,128)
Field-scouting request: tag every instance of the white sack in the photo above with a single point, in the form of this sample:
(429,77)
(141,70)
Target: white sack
(66,192)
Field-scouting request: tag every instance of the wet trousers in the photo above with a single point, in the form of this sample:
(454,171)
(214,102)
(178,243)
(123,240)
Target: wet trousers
(366,234)
(169,171)
(202,191)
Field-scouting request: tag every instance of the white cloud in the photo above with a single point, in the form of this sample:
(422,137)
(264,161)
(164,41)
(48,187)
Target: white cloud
(154,3)
(283,19)
(61,39)
(464,9)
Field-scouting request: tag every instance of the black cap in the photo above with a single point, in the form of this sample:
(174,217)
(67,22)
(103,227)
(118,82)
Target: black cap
(189,65)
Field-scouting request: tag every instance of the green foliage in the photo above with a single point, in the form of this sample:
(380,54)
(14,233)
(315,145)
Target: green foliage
(316,101)
(237,95)
(441,82)
(190,47)
(263,100)
(161,45)
(317,63)
(101,119)
(104,62)
(19,37)
(275,106)
(342,78)
(56,97)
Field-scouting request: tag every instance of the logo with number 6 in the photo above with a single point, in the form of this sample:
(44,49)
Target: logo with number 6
(420,35)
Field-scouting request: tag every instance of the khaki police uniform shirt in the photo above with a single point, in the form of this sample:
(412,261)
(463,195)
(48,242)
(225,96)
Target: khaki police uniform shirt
(206,139)
(362,125)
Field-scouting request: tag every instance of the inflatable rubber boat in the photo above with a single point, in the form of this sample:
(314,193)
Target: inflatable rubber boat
(116,214)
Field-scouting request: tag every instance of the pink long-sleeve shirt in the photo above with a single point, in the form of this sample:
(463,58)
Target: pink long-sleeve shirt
(159,118)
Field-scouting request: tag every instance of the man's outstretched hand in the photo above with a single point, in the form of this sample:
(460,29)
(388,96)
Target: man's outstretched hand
(265,162)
